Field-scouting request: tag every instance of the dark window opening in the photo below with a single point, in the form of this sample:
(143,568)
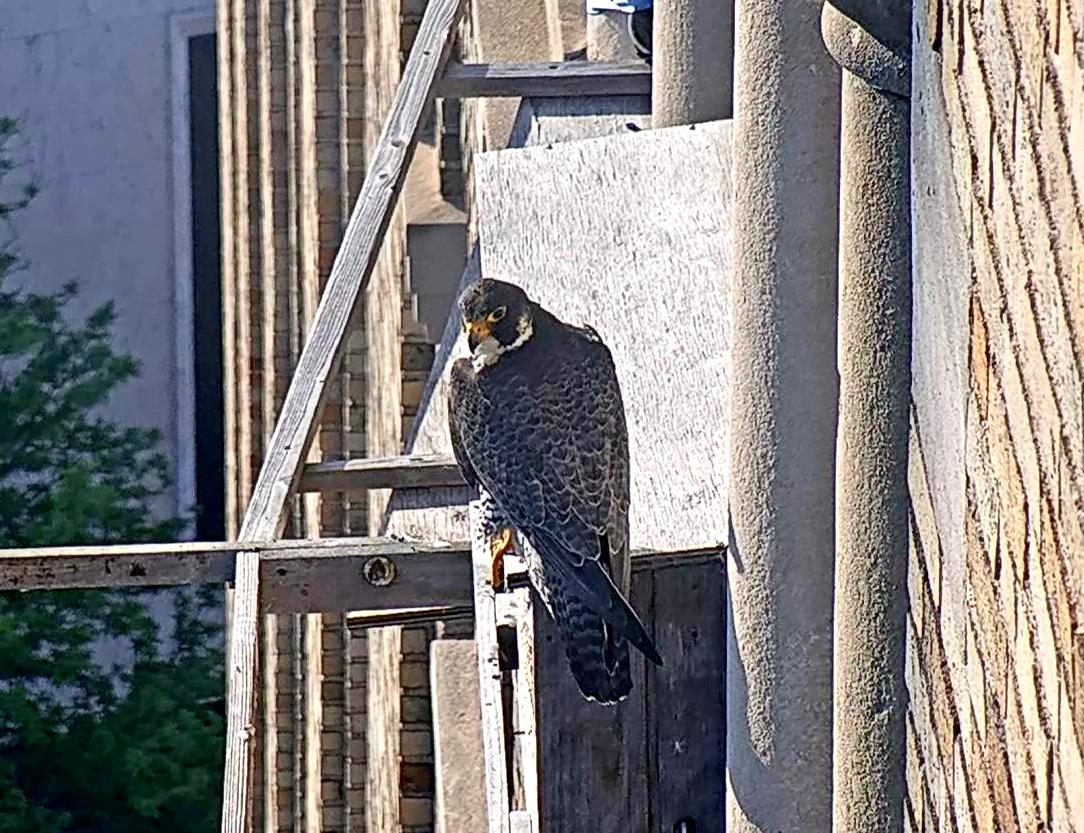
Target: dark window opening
(206,289)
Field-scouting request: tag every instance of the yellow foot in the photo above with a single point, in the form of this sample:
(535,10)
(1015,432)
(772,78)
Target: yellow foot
(499,546)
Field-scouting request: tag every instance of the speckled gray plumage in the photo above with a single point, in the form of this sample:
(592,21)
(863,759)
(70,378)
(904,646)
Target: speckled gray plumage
(542,431)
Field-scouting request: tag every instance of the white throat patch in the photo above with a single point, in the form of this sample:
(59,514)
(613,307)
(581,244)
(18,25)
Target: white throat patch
(489,350)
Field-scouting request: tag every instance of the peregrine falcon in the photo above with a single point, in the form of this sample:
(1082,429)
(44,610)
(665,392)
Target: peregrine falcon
(537,424)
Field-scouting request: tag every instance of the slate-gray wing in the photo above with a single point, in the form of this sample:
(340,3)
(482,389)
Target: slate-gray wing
(544,433)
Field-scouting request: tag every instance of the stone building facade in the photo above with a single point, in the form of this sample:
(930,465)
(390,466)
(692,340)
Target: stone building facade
(995,664)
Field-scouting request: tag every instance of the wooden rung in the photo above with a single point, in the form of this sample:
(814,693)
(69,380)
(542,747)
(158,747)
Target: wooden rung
(570,78)
(408,472)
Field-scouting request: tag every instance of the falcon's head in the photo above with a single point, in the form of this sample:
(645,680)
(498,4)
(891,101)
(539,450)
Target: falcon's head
(497,317)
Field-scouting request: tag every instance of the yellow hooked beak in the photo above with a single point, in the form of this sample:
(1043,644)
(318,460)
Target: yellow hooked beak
(480,329)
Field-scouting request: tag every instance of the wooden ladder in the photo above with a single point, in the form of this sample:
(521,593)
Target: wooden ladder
(424,77)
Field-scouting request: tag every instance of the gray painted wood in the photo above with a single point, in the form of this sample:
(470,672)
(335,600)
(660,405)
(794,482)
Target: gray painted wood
(594,761)
(553,79)
(689,697)
(659,756)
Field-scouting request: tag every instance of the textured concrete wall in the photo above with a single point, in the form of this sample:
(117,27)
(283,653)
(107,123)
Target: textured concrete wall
(996,629)
(692,77)
(91,84)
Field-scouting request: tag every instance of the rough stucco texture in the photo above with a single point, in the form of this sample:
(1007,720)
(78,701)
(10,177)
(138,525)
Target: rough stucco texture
(995,661)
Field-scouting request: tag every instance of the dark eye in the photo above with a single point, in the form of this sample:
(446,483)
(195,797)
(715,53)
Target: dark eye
(497,314)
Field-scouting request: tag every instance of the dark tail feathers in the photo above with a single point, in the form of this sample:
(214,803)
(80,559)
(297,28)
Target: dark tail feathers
(597,655)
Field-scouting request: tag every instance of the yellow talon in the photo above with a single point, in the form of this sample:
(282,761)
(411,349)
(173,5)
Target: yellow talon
(499,546)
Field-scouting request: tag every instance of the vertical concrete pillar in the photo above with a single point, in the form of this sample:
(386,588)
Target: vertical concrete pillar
(608,37)
(458,750)
(782,421)
(692,77)
(875,391)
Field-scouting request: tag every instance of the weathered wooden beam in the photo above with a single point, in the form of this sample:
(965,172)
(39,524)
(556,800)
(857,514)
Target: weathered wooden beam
(298,423)
(541,80)
(241,694)
(326,576)
(128,565)
(489,679)
(388,576)
(417,598)
(408,472)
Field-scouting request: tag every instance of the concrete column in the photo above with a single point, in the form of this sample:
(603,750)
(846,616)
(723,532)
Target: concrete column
(875,391)
(608,38)
(782,421)
(692,76)
(458,754)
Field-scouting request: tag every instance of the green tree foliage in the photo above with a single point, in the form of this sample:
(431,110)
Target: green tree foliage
(87,748)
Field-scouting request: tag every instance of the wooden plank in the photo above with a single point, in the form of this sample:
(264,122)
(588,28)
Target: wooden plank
(241,695)
(586,750)
(408,472)
(128,565)
(689,697)
(489,679)
(315,562)
(359,620)
(380,577)
(555,79)
(298,422)
(525,713)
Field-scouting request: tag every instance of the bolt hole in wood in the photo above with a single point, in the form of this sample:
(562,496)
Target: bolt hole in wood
(379,571)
